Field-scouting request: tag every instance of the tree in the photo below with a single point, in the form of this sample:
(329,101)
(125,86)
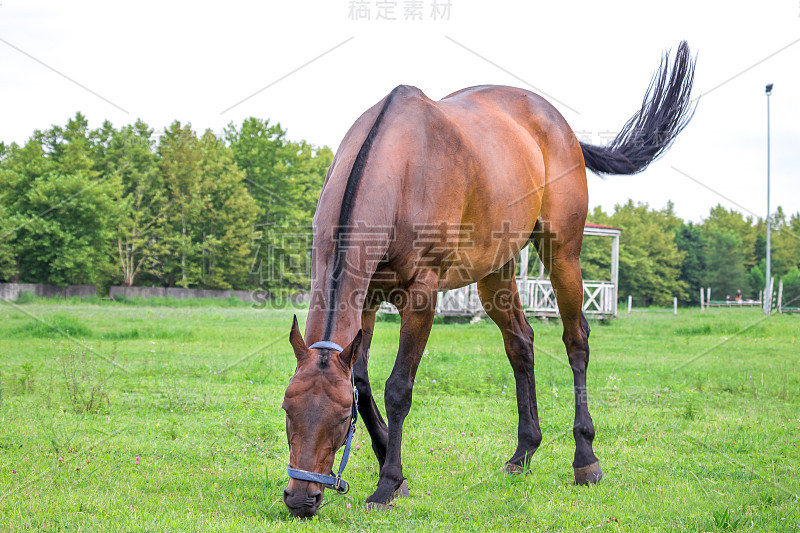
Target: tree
(226,220)
(128,155)
(284,178)
(202,234)
(650,261)
(791,288)
(180,155)
(785,242)
(726,271)
(8,255)
(595,252)
(62,209)
(756,279)
(689,239)
(731,241)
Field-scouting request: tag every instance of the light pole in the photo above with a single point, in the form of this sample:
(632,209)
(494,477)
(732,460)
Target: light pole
(767,293)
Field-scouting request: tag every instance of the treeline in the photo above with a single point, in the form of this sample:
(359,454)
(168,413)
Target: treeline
(127,206)
(662,257)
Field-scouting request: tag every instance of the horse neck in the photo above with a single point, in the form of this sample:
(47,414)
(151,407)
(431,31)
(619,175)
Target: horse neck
(338,292)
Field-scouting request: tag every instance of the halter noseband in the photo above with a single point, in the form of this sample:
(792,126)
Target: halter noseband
(328,345)
(332,481)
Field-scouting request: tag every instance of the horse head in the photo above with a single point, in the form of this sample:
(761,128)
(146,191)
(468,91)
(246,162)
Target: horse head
(320,410)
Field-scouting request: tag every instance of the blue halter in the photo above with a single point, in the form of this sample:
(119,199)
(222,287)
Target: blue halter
(332,481)
(329,345)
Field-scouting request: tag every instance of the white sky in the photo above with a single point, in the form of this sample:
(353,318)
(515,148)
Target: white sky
(162,61)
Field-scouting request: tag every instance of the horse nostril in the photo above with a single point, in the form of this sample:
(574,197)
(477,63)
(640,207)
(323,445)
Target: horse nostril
(317,496)
(303,504)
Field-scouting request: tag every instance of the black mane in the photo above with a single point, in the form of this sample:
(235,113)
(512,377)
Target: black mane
(348,200)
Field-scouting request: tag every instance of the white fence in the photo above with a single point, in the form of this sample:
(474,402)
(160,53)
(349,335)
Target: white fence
(539,299)
(536,294)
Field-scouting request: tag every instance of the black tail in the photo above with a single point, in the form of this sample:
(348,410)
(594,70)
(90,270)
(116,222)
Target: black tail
(666,110)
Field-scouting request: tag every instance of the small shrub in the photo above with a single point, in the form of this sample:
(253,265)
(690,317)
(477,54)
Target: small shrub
(53,327)
(164,333)
(26,379)
(85,381)
(181,302)
(25,297)
(721,328)
(704,329)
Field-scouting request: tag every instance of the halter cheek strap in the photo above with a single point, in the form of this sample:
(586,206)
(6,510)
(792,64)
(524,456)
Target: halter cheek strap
(332,481)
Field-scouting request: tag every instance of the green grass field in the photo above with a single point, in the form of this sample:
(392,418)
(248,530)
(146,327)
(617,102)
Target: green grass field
(168,419)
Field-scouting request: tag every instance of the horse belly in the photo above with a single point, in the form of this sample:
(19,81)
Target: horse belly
(492,232)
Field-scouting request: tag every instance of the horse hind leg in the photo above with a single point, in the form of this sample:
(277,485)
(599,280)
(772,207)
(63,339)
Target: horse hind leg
(500,299)
(559,250)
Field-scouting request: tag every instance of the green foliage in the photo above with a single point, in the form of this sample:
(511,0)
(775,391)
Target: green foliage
(723,221)
(725,253)
(650,260)
(785,242)
(25,297)
(756,279)
(53,327)
(8,255)
(118,206)
(226,220)
(690,241)
(128,154)
(595,254)
(179,246)
(726,264)
(59,209)
(730,248)
(284,178)
(791,288)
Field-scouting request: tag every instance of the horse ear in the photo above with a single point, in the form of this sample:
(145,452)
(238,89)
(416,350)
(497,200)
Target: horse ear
(296,340)
(350,354)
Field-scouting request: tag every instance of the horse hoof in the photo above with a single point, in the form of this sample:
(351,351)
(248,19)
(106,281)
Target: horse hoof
(375,506)
(512,468)
(401,492)
(586,475)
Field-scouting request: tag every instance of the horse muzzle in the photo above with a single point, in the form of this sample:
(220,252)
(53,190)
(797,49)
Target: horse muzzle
(302,504)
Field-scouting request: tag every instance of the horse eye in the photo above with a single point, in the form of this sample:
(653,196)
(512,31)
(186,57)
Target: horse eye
(345,419)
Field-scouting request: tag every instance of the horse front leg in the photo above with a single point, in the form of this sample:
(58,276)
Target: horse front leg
(367,408)
(417,306)
(500,298)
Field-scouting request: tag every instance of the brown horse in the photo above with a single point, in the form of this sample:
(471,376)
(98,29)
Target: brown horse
(424,196)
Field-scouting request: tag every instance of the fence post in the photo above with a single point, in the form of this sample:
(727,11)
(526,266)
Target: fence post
(701,300)
(708,296)
(780,296)
(630,303)
(675,306)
